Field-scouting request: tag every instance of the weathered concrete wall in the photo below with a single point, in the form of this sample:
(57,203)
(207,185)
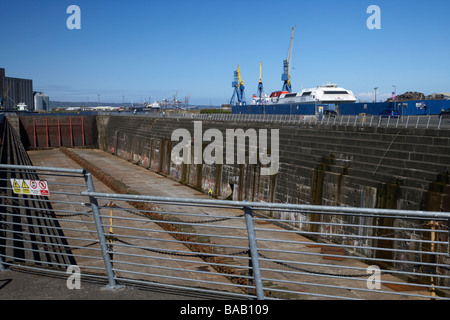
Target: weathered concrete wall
(329,165)
(338,166)
(323,165)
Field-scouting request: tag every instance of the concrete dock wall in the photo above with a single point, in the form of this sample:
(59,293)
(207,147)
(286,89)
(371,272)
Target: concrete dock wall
(369,167)
(329,165)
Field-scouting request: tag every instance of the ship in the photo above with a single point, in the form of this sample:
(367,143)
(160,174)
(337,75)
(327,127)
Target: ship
(313,101)
(325,94)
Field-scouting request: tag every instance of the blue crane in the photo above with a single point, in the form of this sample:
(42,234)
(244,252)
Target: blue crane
(238,97)
(260,84)
(286,77)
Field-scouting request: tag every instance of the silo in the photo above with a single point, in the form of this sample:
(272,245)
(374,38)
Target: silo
(41,102)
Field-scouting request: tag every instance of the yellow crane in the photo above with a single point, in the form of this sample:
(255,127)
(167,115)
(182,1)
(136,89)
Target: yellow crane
(286,77)
(5,94)
(238,85)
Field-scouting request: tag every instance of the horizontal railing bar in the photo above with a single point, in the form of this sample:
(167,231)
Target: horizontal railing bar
(183,270)
(349,214)
(192,255)
(163,214)
(188,233)
(174,223)
(24,266)
(185,279)
(242,204)
(39,168)
(326,274)
(42,200)
(43,211)
(418,263)
(312,294)
(48,217)
(66,247)
(351,236)
(35,175)
(209,216)
(115,235)
(349,288)
(38,197)
(353,278)
(362,258)
(351,248)
(51,262)
(46,235)
(215,292)
(348,276)
(179,252)
(346,225)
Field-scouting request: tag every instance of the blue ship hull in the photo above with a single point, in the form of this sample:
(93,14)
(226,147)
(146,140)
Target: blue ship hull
(416,107)
(293,109)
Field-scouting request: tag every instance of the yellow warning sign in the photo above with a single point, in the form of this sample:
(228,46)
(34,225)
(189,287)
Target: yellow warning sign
(25,188)
(16,186)
(33,187)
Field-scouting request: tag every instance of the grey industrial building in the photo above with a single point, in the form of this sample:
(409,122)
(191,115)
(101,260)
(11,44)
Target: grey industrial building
(41,102)
(14,91)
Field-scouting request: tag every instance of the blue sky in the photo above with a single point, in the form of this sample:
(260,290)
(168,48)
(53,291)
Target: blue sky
(132,50)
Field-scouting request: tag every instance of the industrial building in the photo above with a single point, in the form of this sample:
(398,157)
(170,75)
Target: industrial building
(41,102)
(15,91)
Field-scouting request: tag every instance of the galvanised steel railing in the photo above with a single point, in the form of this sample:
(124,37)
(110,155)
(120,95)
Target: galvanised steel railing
(402,121)
(51,232)
(236,248)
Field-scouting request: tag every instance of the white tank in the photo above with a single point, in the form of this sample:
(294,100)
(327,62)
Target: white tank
(41,102)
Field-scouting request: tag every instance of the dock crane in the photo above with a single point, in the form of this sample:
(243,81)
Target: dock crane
(286,77)
(260,84)
(5,95)
(238,93)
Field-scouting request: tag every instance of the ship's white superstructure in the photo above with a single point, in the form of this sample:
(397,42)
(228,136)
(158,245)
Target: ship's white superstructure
(326,94)
(264,99)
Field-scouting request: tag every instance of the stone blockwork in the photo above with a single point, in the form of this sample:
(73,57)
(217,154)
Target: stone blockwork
(323,165)
(370,167)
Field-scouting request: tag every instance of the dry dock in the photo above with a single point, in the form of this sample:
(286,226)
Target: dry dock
(149,183)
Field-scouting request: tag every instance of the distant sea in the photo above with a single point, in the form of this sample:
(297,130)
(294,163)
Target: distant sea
(62,104)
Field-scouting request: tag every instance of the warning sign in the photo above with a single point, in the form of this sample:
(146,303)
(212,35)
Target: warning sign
(25,188)
(33,187)
(16,186)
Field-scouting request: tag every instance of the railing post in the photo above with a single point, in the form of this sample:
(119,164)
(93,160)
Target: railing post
(2,266)
(101,235)
(254,253)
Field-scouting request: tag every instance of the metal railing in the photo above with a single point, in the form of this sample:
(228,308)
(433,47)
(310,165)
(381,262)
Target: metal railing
(51,232)
(236,248)
(405,121)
